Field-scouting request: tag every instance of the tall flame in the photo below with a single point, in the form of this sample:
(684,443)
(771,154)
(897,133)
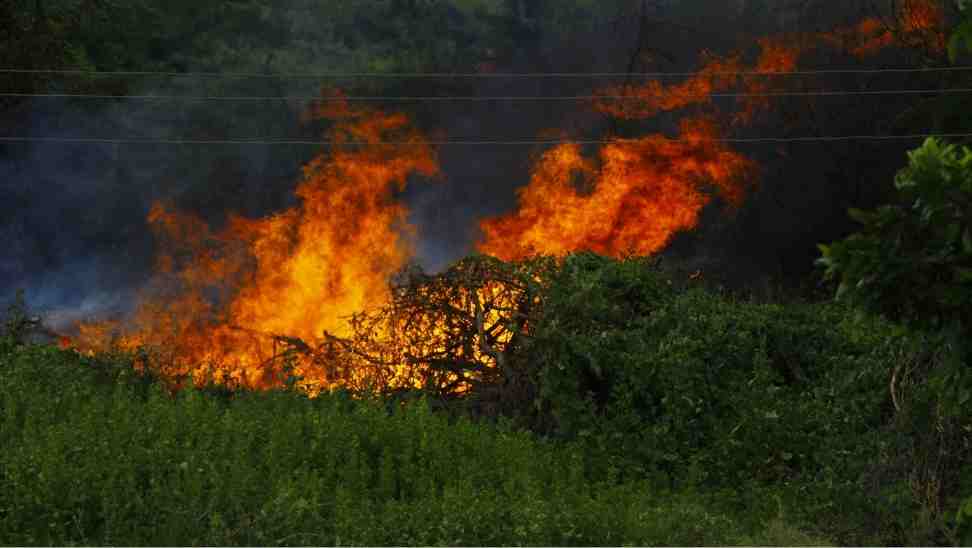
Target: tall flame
(642,192)
(220,295)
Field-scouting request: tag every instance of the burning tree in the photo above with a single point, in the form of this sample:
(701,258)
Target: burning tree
(457,332)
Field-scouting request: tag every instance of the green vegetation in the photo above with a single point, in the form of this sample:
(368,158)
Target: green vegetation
(664,415)
(91,458)
(912,263)
(757,404)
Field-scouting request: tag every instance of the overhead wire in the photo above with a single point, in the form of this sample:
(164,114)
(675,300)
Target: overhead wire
(434,98)
(406,75)
(130,141)
(261,141)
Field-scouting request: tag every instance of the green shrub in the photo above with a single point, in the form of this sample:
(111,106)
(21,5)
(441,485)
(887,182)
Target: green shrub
(745,401)
(671,378)
(589,334)
(912,263)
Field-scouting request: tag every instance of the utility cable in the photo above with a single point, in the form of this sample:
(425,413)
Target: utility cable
(117,141)
(433,98)
(404,75)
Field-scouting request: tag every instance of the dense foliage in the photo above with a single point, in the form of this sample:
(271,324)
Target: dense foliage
(92,458)
(710,420)
(912,262)
(697,389)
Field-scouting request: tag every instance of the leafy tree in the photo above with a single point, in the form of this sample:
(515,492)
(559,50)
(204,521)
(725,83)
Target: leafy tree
(912,262)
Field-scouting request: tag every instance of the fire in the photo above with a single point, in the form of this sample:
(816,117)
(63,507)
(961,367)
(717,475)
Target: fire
(642,191)
(654,97)
(452,331)
(220,296)
(923,21)
(718,74)
(915,23)
(232,303)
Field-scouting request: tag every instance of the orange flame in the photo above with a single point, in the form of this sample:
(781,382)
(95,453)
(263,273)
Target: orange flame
(645,190)
(917,23)
(219,295)
(716,74)
(923,21)
(642,192)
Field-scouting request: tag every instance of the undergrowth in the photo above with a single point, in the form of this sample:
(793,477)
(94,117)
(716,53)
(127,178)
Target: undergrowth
(89,460)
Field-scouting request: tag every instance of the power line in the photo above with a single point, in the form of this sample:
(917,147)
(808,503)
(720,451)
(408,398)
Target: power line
(434,98)
(477,74)
(115,141)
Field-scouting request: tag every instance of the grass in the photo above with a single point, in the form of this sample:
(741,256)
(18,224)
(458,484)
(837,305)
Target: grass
(90,459)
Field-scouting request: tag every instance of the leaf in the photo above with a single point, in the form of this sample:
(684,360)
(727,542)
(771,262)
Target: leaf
(860,215)
(961,39)
(962,274)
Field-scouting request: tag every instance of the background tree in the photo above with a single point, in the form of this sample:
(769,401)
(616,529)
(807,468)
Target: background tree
(912,262)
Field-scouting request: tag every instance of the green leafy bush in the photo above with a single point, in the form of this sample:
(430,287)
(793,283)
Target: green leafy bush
(912,263)
(669,376)
(747,402)
(589,335)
